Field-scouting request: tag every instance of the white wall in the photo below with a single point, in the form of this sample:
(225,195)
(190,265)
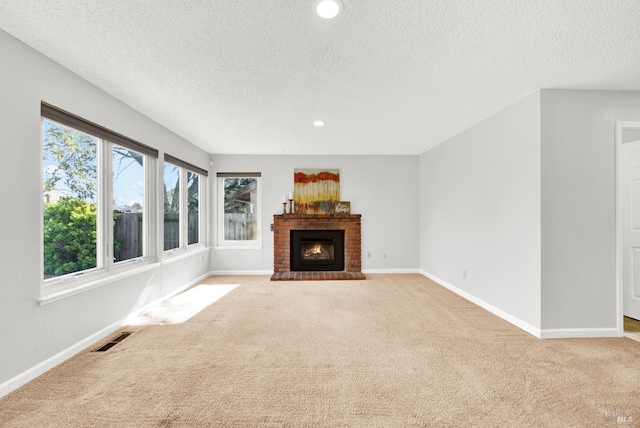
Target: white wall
(383,189)
(480,213)
(525,203)
(30,333)
(578,207)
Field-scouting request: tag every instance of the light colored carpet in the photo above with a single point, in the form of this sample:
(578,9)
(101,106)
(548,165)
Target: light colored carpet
(391,351)
(182,307)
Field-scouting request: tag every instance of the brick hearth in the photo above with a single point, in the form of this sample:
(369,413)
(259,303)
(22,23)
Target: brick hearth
(284,224)
(317,276)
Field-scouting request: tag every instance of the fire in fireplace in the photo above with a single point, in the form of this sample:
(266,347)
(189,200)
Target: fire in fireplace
(317,250)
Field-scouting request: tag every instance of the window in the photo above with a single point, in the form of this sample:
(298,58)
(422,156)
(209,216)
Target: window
(171,206)
(182,199)
(128,171)
(70,170)
(95,197)
(239,209)
(193,206)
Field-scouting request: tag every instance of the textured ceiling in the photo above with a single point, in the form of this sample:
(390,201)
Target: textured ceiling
(393,77)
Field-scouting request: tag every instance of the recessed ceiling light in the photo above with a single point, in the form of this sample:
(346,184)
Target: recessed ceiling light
(318,123)
(328,9)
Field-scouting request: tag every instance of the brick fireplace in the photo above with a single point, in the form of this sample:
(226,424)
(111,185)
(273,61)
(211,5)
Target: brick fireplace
(284,224)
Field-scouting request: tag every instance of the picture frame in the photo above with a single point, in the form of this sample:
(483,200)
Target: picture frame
(316,191)
(343,208)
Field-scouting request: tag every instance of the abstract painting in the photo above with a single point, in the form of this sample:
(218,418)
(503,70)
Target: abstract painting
(316,191)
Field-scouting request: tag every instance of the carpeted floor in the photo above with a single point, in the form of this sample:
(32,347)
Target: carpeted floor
(391,351)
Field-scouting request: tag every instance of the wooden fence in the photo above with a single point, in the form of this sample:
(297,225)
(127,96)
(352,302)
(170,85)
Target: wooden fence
(128,229)
(239,227)
(171,231)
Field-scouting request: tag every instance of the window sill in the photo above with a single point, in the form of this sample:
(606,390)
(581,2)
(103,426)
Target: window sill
(60,291)
(179,254)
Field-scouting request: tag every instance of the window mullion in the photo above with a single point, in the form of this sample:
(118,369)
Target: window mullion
(220,211)
(184,214)
(201,202)
(105,209)
(148,208)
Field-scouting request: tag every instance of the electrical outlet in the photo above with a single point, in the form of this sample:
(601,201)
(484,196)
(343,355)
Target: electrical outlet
(369,255)
(384,256)
(464,274)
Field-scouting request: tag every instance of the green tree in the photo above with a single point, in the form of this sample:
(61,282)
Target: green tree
(73,155)
(69,237)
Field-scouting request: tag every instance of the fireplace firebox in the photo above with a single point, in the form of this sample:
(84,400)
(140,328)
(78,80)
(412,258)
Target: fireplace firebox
(317,250)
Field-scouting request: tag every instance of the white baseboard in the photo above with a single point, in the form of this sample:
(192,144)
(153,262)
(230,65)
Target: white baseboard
(46,365)
(550,333)
(565,333)
(241,272)
(270,272)
(535,331)
(374,271)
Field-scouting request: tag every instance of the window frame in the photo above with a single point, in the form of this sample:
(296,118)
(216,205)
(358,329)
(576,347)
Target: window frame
(148,178)
(106,270)
(101,242)
(180,210)
(223,243)
(200,223)
(184,168)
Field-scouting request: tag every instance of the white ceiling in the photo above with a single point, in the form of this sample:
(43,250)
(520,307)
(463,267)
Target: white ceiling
(387,77)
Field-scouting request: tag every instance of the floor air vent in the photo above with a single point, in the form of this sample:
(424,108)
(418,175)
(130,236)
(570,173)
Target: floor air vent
(113,343)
